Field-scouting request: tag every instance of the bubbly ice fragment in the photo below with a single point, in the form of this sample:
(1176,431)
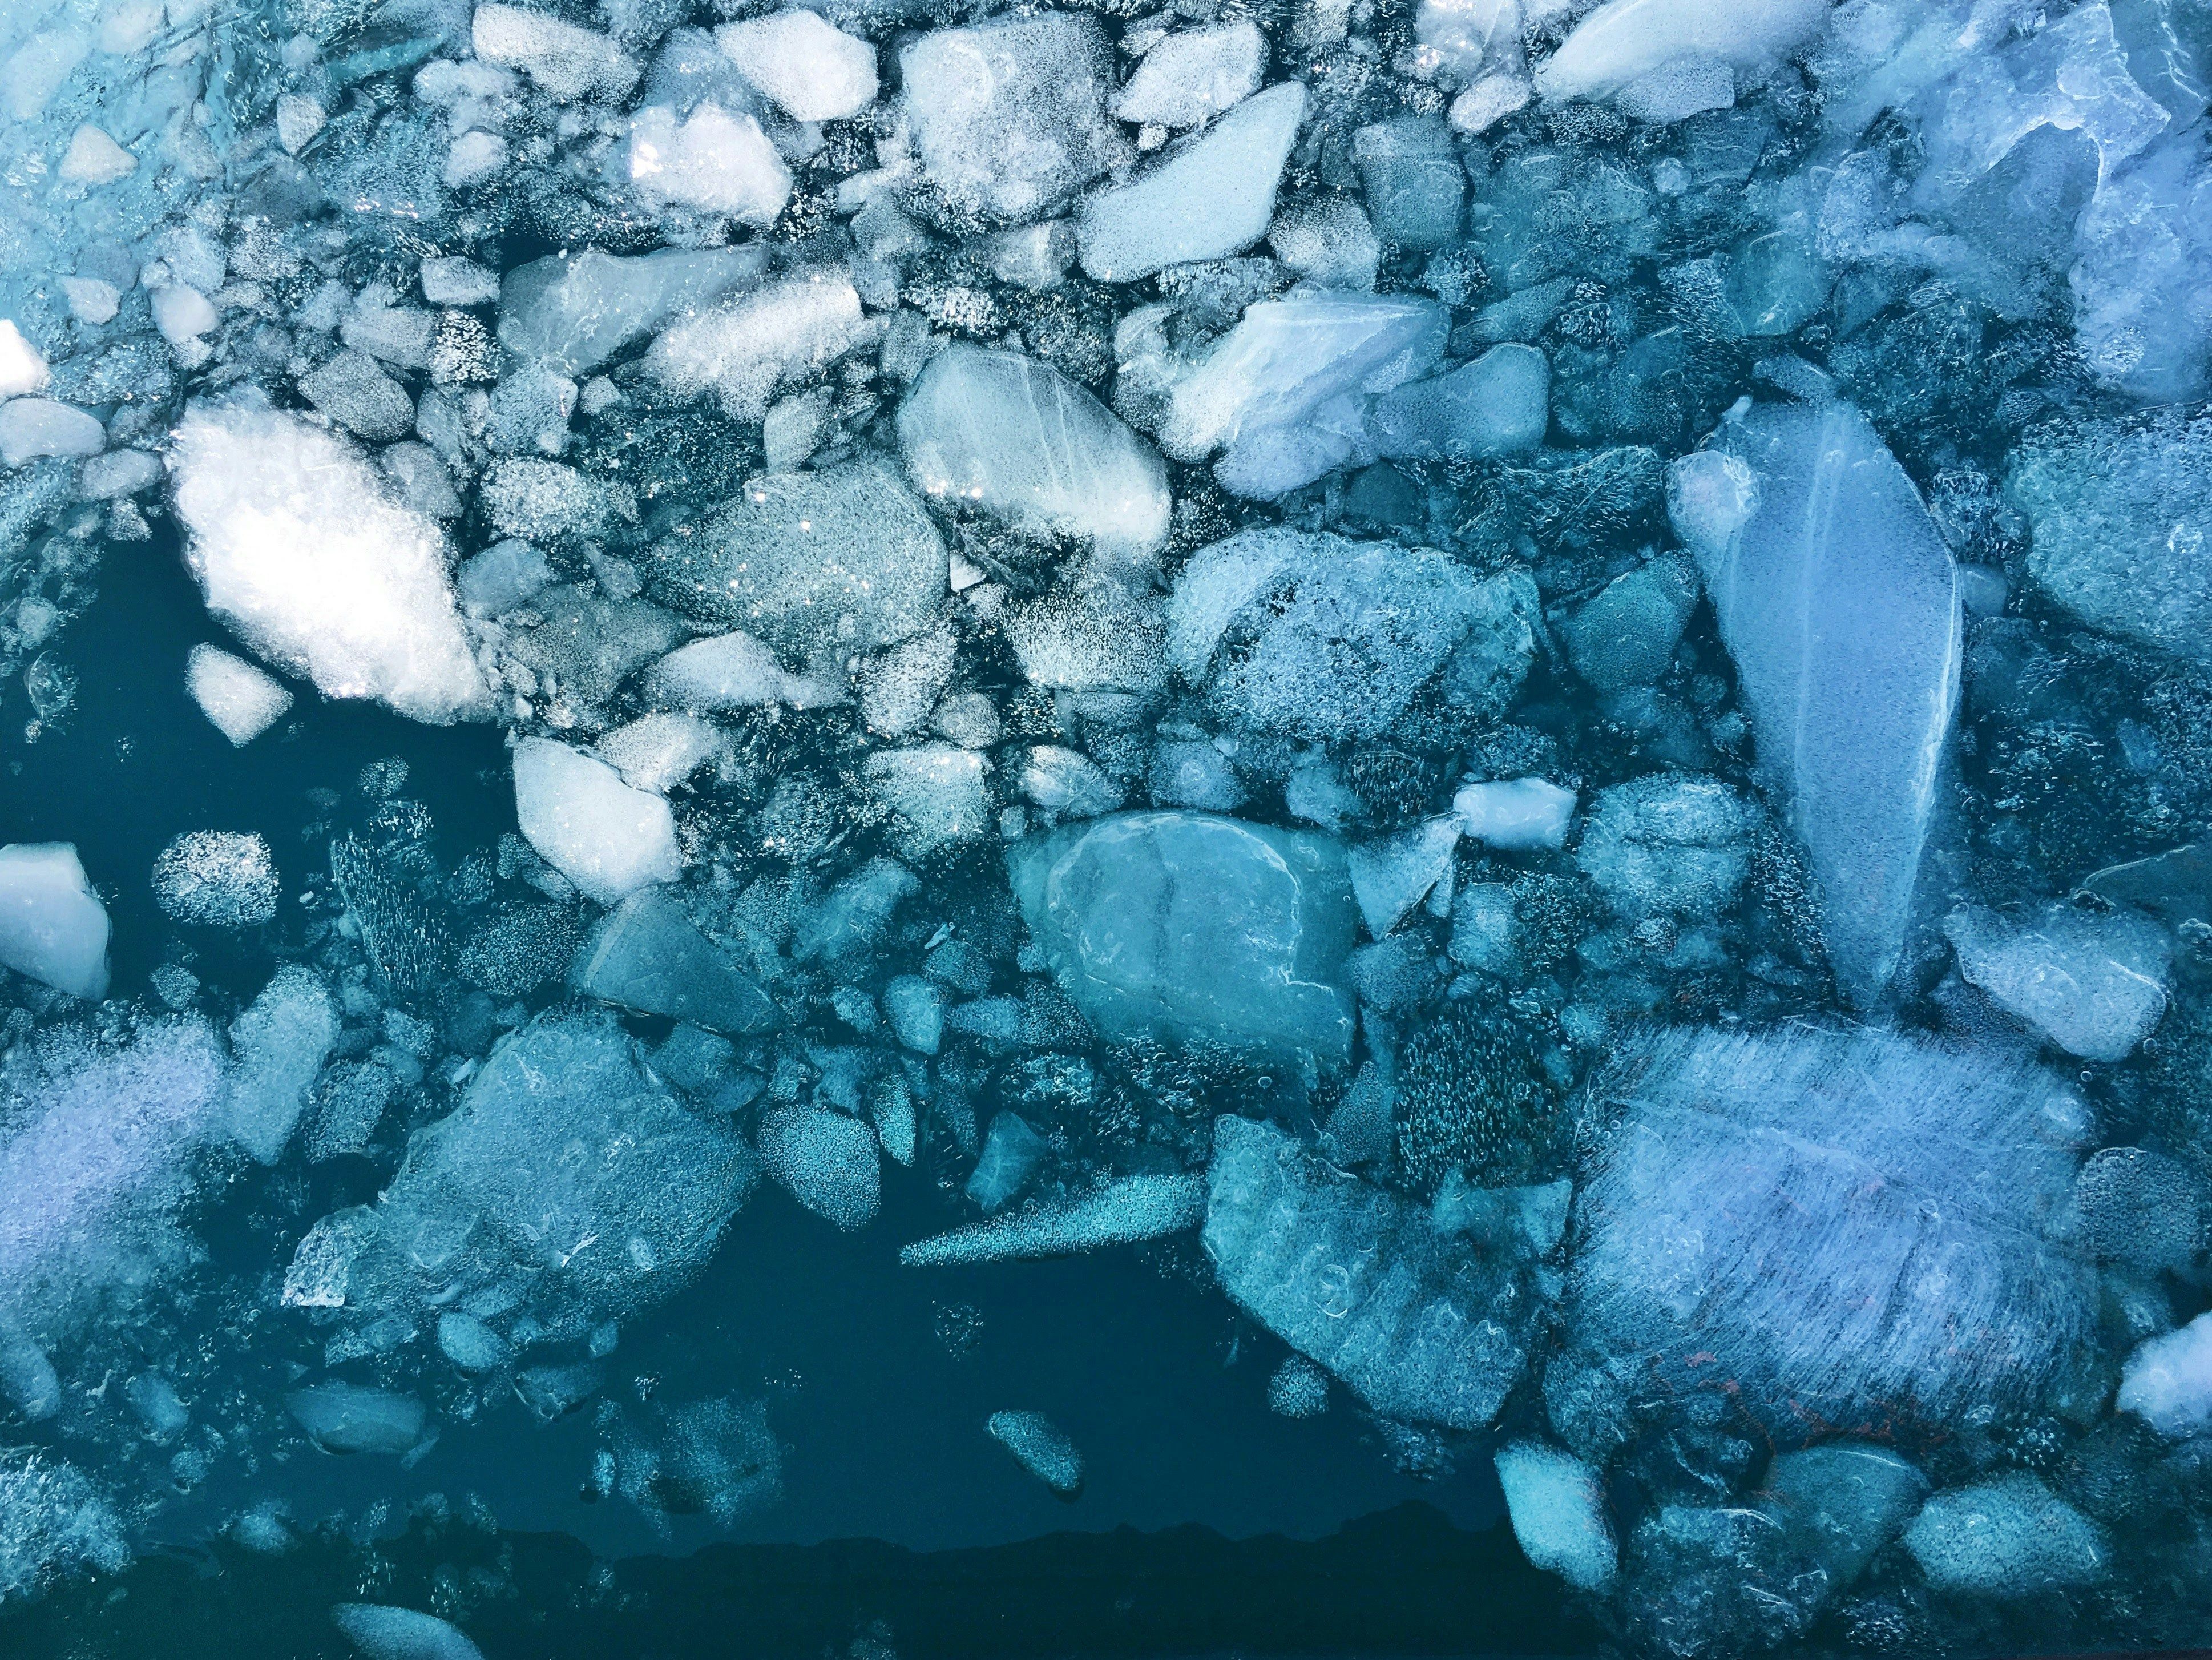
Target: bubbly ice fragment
(814,69)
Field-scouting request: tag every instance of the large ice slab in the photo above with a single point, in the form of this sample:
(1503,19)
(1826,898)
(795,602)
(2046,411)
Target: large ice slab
(1018,439)
(1184,926)
(1839,603)
(1211,196)
(1416,1323)
(1840,1227)
(299,550)
(52,926)
(607,838)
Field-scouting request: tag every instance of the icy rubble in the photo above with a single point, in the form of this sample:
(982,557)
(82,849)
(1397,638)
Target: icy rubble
(298,549)
(1839,604)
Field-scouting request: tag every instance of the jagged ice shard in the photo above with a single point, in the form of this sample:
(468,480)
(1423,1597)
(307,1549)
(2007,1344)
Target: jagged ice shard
(1839,604)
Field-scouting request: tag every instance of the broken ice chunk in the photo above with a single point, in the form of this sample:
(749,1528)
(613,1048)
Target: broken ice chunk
(1193,75)
(572,312)
(1009,119)
(216,879)
(815,70)
(647,955)
(828,1161)
(454,280)
(940,790)
(820,565)
(734,671)
(1209,198)
(714,161)
(1418,1324)
(1415,184)
(1622,40)
(1842,1224)
(297,548)
(1499,404)
(1518,815)
(279,1042)
(566,63)
(346,1418)
(2093,985)
(1838,600)
(2008,1536)
(658,751)
(1186,927)
(607,838)
(1456,40)
(33,428)
(1019,440)
(1392,876)
(382,1632)
(1281,390)
(1068,782)
(744,351)
(240,700)
(1013,1154)
(1040,1449)
(1557,1506)
(2167,1381)
(1118,1211)
(354,392)
(22,367)
(52,926)
(1678,90)
(93,159)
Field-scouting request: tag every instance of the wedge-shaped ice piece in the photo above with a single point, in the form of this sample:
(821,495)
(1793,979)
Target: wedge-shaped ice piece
(1281,392)
(1211,196)
(1416,1322)
(1840,1226)
(1117,1211)
(240,700)
(1624,41)
(827,1160)
(820,565)
(1018,439)
(572,311)
(1839,603)
(1557,1505)
(1184,926)
(52,926)
(607,838)
(647,955)
(1392,875)
(1193,74)
(299,551)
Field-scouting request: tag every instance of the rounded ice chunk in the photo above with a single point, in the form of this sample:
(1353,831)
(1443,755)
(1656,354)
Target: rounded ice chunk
(52,926)
(1041,1448)
(22,366)
(715,162)
(390,1633)
(216,879)
(1557,1505)
(2167,1381)
(346,1418)
(1516,815)
(826,1160)
(607,838)
(33,428)
(814,69)
(2009,1536)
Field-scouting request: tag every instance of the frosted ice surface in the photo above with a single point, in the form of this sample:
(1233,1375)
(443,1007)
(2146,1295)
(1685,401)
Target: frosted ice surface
(575,312)
(607,838)
(647,955)
(743,351)
(2118,517)
(1281,392)
(1556,1506)
(1624,41)
(31,428)
(1121,1210)
(814,70)
(383,1632)
(567,63)
(1844,1225)
(2143,315)
(1839,604)
(299,550)
(1067,782)
(819,565)
(1099,635)
(828,1161)
(734,671)
(1499,404)
(1193,75)
(54,1522)
(900,687)
(52,926)
(914,1010)
(1357,1279)
(1019,440)
(1182,926)
(1041,1448)
(1515,815)
(279,1045)
(1013,1154)
(1457,39)
(940,791)
(2009,1536)
(2167,1380)
(2093,985)
(242,700)
(1209,198)
(216,879)
(713,160)
(661,750)
(23,370)
(1008,120)
(1669,844)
